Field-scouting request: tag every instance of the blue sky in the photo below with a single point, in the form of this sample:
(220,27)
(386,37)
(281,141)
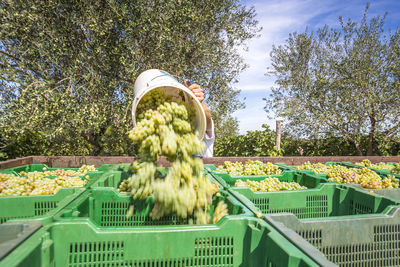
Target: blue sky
(279,18)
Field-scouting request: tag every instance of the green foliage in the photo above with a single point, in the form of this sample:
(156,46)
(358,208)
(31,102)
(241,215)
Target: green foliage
(26,143)
(262,143)
(340,82)
(67,68)
(228,126)
(254,143)
(328,146)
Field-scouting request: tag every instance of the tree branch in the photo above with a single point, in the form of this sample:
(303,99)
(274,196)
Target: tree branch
(9,55)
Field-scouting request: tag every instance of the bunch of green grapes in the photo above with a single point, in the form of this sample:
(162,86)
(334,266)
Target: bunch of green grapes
(365,177)
(220,211)
(249,168)
(396,168)
(381,165)
(269,185)
(165,128)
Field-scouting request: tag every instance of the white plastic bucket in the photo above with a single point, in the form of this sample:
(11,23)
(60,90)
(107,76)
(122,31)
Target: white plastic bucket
(158,79)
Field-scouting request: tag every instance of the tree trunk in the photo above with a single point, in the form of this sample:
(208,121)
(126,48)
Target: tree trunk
(94,141)
(356,146)
(278,135)
(371,137)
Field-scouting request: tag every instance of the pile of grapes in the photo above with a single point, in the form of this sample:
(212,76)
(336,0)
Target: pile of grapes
(365,177)
(381,165)
(249,168)
(39,183)
(340,174)
(319,168)
(165,128)
(378,166)
(269,185)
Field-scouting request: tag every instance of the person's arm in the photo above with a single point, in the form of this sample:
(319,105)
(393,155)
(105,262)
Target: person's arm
(199,93)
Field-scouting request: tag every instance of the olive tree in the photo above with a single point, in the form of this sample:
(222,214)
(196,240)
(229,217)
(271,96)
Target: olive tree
(340,82)
(67,68)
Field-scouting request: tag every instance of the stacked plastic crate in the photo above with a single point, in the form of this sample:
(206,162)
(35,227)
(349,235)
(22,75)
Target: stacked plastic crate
(349,225)
(90,228)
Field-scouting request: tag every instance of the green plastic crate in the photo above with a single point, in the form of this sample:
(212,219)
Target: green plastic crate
(304,179)
(41,208)
(252,243)
(361,241)
(115,167)
(105,207)
(14,233)
(330,200)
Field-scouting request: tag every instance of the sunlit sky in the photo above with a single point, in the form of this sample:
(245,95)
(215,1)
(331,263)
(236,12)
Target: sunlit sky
(279,18)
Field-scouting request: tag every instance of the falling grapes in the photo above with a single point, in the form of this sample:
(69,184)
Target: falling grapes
(249,168)
(165,128)
(269,185)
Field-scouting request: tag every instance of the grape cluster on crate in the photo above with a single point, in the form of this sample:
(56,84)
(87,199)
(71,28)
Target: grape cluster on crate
(249,168)
(166,128)
(269,185)
(42,183)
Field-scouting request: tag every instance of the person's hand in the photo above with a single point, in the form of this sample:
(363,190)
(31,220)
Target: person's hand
(197,91)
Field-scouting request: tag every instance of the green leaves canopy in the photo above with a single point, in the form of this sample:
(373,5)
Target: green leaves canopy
(67,68)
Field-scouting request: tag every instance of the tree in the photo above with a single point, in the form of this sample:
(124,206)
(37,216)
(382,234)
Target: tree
(340,82)
(68,68)
(254,143)
(228,126)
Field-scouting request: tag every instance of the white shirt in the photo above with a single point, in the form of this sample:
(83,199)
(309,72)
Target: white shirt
(209,141)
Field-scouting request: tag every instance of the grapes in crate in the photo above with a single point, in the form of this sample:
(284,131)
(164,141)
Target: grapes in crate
(39,183)
(269,185)
(249,168)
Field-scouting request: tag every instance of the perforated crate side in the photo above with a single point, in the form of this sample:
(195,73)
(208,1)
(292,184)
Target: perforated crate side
(36,207)
(327,201)
(361,241)
(253,243)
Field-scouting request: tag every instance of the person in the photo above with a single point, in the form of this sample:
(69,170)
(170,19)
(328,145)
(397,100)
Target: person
(209,135)
(300,151)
